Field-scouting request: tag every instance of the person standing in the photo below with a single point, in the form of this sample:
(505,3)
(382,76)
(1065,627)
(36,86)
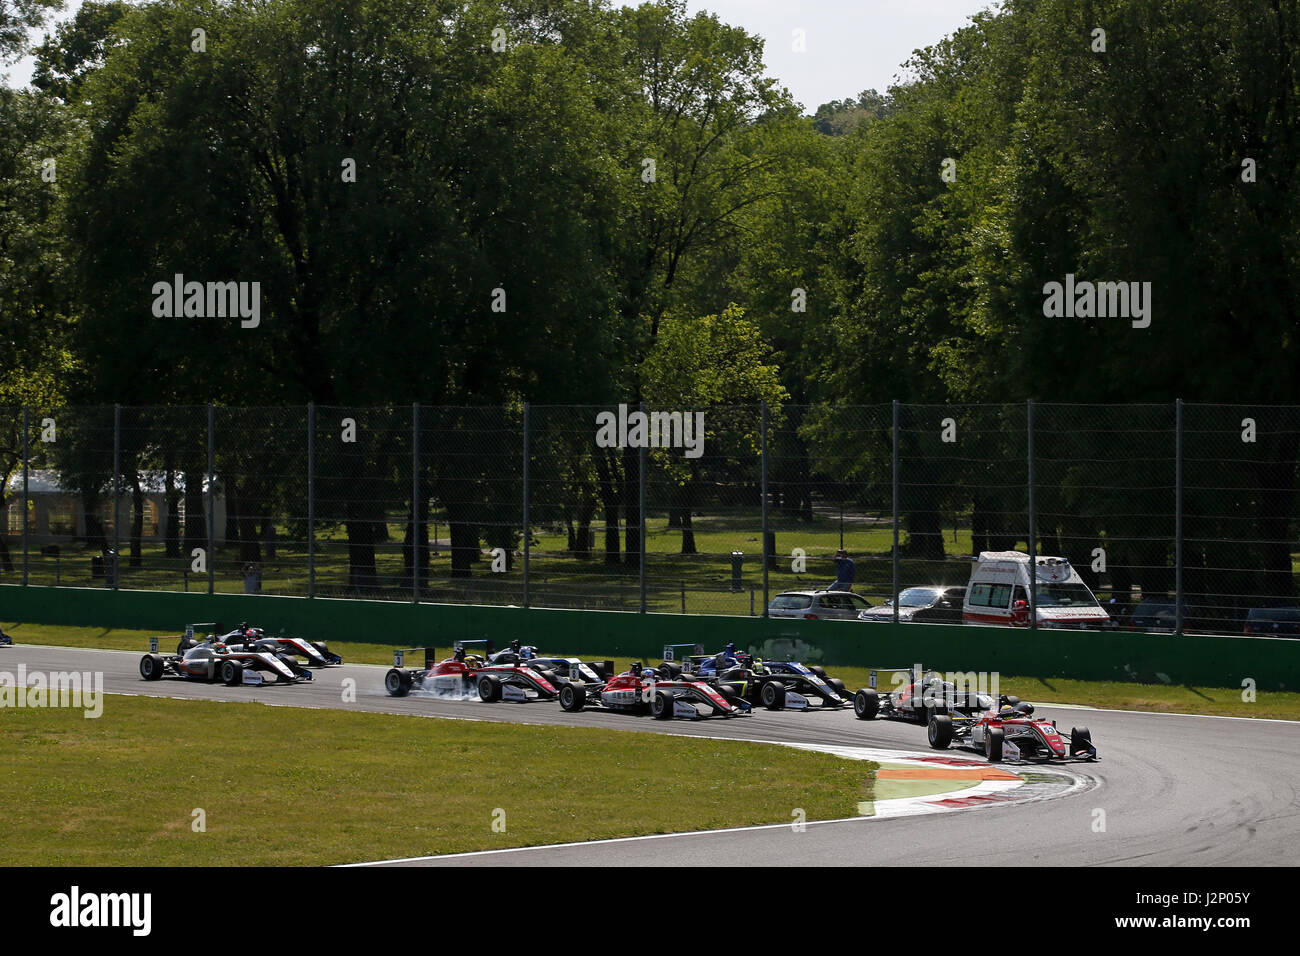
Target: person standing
(845,572)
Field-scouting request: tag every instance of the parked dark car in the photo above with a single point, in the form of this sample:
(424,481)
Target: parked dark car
(1157,615)
(1273,621)
(922,605)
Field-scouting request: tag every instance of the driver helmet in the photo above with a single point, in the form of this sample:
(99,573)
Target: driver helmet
(459,655)
(731,648)
(514,645)
(635,669)
(1024,707)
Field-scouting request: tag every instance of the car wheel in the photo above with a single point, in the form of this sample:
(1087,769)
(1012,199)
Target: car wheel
(1080,739)
(930,711)
(866,704)
(151,667)
(773,695)
(489,689)
(838,684)
(397,683)
(232,673)
(661,707)
(819,671)
(572,699)
(993,745)
(939,731)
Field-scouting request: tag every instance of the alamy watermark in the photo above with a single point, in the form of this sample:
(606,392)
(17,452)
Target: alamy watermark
(75,909)
(208,300)
(651,430)
(1102,300)
(79,690)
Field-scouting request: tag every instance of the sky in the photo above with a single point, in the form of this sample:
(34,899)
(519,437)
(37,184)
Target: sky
(850,45)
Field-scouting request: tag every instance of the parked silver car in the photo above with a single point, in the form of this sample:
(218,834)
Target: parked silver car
(818,605)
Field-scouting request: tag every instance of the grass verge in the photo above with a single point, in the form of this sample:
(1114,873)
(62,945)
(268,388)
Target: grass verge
(1120,695)
(287,786)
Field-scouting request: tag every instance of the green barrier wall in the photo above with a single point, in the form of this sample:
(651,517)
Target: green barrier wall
(1274,664)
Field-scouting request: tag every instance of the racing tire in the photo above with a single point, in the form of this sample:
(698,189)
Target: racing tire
(838,685)
(661,706)
(572,699)
(939,730)
(931,711)
(729,692)
(232,673)
(866,704)
(773,695)
(993,745)
(672,670)
(819,671)
(1079,736)
(397,683)
(151,667)
(489,689)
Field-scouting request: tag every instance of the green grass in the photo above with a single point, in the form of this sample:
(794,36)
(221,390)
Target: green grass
(289,786)
(1120,695)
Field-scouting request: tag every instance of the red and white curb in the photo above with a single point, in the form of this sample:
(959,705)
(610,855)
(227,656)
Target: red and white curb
(1011,789)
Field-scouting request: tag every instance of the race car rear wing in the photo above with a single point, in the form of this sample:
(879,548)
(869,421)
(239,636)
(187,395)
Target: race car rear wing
(208,627)
(915,672)
(431,653)
(671,650)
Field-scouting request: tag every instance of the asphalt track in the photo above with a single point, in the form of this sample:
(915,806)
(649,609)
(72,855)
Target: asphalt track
(1171,790)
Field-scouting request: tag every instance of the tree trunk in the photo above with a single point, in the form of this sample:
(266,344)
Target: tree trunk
(609,502)
(196,511)
(172,539)
(631,507)
(137,519)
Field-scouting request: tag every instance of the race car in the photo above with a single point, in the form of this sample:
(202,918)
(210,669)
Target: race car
(925,695)
(5,640)
(774,684)
(316,653)
(464,675)
(212,660)
(648,690)
(1010,733)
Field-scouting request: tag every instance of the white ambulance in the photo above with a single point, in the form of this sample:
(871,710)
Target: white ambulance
(998,593)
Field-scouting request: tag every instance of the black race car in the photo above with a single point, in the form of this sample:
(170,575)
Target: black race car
(774,684)
(925,695)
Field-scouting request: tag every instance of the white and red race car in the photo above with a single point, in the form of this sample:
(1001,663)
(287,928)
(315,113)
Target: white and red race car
(1011,733)
(646,690)
(466,676)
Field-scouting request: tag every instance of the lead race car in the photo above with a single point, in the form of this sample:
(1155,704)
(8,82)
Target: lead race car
(492,677)
(642,690)
(211,659)
(316,653)
(1010,733)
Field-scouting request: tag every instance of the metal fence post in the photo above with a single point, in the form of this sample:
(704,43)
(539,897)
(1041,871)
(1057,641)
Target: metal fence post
(767,558)
(311,499)
(27,424)
(894,467)
(641,468)
(115,564)
(1178,516)
(1033,530)
(212,498)
(415,502)
(527,530)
